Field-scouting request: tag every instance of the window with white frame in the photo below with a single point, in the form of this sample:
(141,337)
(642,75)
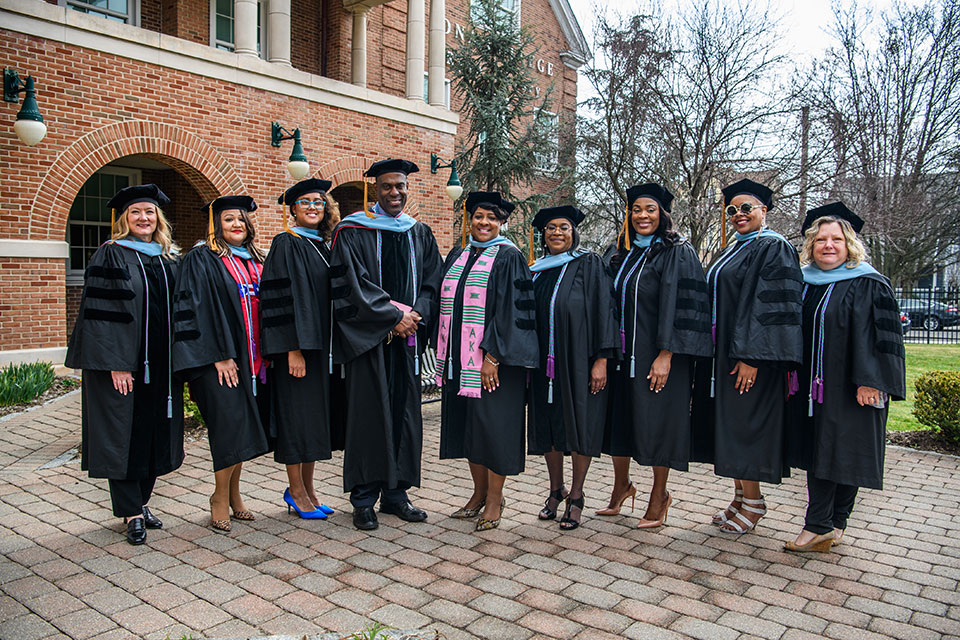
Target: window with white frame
(126,11)
(88,225)
(222,26)
(426,89)
(507,6)
(548,157)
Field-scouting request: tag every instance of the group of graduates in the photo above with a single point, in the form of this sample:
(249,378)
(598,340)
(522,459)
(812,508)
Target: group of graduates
(756,365)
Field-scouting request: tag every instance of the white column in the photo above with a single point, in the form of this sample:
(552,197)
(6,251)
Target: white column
(278,31)
(438,52)
(245,27)
(415,44)
(358,48)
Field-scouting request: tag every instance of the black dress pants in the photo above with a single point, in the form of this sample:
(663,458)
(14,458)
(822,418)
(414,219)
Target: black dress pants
(366,495)
(130,496)
(829,505)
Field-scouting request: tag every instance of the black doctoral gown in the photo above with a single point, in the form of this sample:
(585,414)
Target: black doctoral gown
(384,433)
(489,430)
(125,318)
(210,326)
(863,346)
(584,329)
(757,304)
(665,307)
(306,414)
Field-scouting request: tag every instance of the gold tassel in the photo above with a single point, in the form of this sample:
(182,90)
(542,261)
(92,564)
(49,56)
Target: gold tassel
(369,214)
(211,234)
(530,259)
(463,232)
(626,229)
(113,220)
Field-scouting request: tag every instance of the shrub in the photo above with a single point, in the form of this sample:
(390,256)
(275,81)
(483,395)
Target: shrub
(938,403)
(190,409)
(21,383)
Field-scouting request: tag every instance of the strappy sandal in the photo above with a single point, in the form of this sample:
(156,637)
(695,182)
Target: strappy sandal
(568,523)
(733,525)
(721,516)
(485,525)
(547,513)
(465,513)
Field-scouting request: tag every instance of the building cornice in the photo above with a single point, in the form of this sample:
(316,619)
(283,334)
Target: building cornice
(59,24)
(11,248)
(579,52)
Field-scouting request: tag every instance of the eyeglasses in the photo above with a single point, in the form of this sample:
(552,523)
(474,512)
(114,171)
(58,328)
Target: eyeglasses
(316,204)
(746,208)
(563,228)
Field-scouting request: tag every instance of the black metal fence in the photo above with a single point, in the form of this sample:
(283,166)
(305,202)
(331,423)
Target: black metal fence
(933,314)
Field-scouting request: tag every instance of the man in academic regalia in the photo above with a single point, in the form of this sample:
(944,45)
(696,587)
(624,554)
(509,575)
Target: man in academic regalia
(386,274)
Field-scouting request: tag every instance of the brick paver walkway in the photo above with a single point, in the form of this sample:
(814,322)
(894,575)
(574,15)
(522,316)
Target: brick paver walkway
(65,570)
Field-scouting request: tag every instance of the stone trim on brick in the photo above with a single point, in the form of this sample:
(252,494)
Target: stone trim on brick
(58,249)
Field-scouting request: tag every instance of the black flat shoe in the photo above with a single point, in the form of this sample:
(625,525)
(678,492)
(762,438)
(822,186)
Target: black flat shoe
(152,521)
(404,511)
(136,531)
(365,518)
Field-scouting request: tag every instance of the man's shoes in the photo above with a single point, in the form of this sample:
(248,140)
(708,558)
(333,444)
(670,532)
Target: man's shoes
(136,531)
(365,518)
(152,521)
(404,511)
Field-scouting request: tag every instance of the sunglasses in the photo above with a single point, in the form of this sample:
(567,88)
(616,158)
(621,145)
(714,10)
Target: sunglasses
(746,208)
(316,204)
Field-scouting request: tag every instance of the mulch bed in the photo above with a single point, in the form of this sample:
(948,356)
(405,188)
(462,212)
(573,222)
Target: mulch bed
(62,385)
(923,439)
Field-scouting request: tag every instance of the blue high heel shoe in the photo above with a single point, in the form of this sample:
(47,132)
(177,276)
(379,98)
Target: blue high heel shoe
(315,514)
(327,510)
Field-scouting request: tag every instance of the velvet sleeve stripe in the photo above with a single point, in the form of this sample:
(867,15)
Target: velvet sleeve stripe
(780,295)
(689,324)
(268,304)
(526,304)
(184,314)
(692,284)
(107,273)
(891,347)
(887,304)
(110,294)
(277,321)
(340,292)
(693,305)
(526,324)
(889,324)
(338,270)
(275,283)
(185,336)
(523,285)
(779,317)
(346,312)
(781,273)
(108,316)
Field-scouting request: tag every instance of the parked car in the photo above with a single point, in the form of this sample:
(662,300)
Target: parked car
(929,314)
(905,322)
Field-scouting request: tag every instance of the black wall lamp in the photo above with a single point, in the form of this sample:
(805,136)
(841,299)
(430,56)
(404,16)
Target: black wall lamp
(29,126)
(297,167)
(454,188)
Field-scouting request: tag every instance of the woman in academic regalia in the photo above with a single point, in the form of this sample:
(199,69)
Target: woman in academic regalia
(217,348)
(853,364)
(297,334)
(486,297)
(576,331)
(662,306)
(132,424)
(739,401)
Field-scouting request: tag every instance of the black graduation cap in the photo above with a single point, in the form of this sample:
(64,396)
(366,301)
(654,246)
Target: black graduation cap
(230,202)
(574,215)
(475,198)
(750,188)
(310,185)
(650,190)
(139,193)
(835,210)
(391,165)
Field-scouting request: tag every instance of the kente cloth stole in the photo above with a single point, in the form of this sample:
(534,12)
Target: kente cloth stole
(471,325)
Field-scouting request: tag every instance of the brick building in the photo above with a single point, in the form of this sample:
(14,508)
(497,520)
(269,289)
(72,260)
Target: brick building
(182,93)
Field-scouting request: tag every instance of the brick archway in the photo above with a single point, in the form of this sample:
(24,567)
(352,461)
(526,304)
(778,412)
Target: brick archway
(191,156)
(350,169)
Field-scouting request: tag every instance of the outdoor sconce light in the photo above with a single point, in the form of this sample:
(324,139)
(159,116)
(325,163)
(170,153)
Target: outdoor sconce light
(297,167)
(29,126)
(454,188)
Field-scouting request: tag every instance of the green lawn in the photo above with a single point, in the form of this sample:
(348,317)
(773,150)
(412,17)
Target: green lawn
(920,359)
